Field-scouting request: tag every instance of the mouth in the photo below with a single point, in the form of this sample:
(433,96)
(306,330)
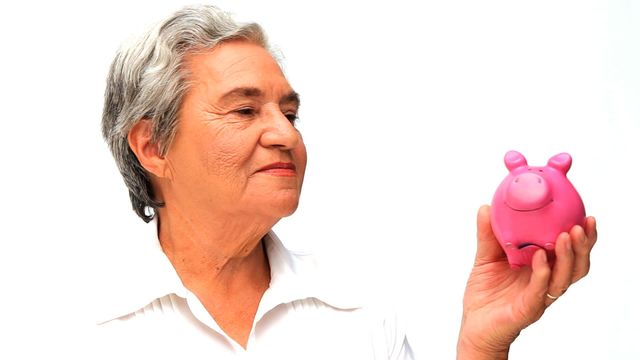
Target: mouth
(279,169)
(533,208)
(524,245)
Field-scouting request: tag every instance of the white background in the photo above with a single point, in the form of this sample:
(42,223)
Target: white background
(407,111)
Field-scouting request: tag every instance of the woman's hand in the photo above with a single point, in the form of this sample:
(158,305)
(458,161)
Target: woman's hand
(499,301)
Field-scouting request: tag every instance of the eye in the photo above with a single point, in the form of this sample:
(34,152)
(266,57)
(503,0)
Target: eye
(291,117)
(246,112)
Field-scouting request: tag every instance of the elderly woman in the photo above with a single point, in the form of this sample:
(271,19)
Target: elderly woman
(201,122)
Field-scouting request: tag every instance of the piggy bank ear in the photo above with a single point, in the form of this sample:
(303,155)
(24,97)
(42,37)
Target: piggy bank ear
(561,162)
(514,159)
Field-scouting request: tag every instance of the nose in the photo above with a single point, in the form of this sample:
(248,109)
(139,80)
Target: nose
(528,192)
(279,131)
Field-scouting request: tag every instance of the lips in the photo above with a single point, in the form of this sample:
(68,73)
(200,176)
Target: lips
(280,169)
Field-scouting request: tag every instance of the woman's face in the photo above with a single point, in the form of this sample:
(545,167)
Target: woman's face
(236,150)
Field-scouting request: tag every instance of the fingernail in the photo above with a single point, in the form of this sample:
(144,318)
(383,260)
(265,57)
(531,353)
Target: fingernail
(544,256)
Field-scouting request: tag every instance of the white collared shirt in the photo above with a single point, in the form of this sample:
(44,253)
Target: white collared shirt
(304,314)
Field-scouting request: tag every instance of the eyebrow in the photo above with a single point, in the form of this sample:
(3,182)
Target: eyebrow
(291,98)
(252,92)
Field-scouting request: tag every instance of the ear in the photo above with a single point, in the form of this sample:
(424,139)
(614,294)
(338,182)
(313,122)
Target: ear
(147,151)
(561,162)
(514,159)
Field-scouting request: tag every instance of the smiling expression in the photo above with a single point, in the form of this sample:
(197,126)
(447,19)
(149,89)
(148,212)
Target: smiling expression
(236,149)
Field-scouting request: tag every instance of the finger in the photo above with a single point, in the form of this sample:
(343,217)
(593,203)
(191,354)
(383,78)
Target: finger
(534,293)
(591,231)
(489,249)
(582,245)
(562,271)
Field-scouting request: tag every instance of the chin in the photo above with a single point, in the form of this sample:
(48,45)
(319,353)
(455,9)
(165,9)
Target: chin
(277,204)
(284,206)
(287,209)
(291,211)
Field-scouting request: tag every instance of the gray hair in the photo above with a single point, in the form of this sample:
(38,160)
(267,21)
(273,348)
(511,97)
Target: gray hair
(147,80)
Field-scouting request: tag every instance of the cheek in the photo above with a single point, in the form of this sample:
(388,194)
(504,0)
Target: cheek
(226,159)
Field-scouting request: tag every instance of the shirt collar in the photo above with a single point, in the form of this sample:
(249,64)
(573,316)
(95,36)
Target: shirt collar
(294,276)
(297,276)
(135,280)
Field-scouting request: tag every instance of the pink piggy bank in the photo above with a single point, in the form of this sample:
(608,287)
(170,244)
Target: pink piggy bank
(533,205)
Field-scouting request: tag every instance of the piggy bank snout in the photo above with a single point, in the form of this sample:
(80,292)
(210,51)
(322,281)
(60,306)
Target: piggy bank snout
(527,192)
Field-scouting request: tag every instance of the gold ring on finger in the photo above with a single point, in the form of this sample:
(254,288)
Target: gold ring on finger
(553,298)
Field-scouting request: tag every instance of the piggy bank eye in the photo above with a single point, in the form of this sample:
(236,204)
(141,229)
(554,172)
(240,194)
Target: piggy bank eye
(540,170)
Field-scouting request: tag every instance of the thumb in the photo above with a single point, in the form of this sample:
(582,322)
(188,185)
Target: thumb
(489,249)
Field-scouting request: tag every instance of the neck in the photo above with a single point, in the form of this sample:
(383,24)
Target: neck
(214,255)
(223,262)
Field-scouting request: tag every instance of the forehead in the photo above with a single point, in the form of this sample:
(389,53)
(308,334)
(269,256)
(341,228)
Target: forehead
(235,64)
